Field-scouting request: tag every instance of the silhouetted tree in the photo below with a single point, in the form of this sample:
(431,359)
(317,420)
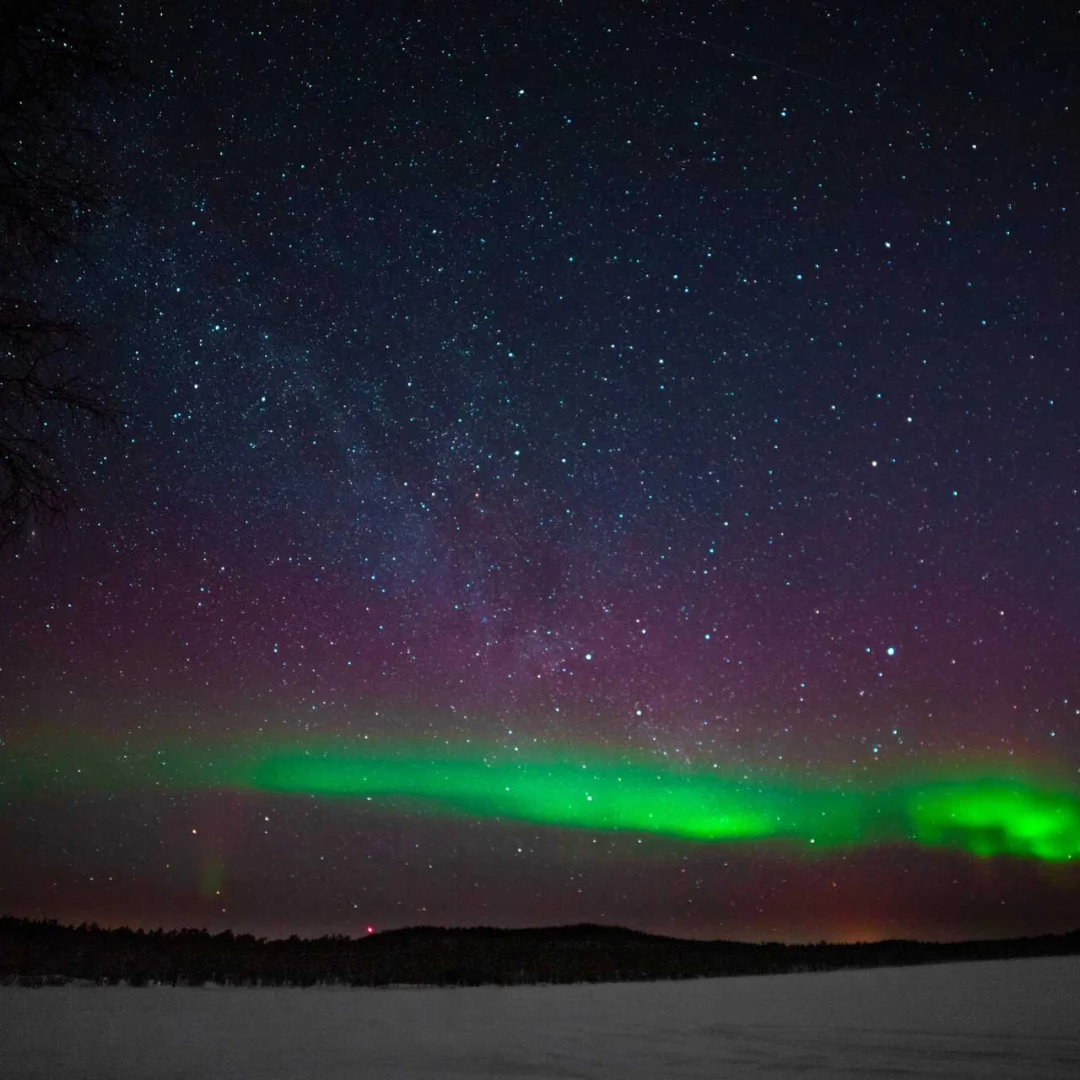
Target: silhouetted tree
(56,58)
(45,953)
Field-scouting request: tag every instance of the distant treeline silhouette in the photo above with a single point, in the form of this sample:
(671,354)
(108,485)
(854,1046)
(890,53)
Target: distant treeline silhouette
(44,953)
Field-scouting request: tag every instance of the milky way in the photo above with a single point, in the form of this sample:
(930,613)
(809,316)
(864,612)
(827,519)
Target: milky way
(611,463)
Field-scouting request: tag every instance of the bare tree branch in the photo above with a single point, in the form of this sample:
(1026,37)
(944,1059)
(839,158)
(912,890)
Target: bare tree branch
(56,57)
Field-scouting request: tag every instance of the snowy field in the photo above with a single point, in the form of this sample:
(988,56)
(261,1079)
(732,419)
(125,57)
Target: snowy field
(1018,1018)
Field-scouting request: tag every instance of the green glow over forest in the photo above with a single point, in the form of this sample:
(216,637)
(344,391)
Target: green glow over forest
(987,814)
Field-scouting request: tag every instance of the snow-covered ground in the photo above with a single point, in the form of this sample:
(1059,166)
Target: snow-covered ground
(1018,1018)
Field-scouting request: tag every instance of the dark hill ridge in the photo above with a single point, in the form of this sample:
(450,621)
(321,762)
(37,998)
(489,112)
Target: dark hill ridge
(45,953)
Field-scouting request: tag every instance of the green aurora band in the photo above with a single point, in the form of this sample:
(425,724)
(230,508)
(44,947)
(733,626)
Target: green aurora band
(985,814)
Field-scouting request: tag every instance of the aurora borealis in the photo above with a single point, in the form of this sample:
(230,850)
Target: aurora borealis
(985,815)
(610,462)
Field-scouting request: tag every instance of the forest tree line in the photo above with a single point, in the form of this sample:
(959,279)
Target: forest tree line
(45,953)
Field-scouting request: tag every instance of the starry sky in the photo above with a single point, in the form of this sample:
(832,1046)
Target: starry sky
(593,461)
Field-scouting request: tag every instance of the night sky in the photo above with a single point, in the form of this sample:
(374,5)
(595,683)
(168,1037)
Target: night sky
(584,462)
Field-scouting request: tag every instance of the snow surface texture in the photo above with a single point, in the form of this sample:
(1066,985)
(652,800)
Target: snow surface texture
(1012,1018)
